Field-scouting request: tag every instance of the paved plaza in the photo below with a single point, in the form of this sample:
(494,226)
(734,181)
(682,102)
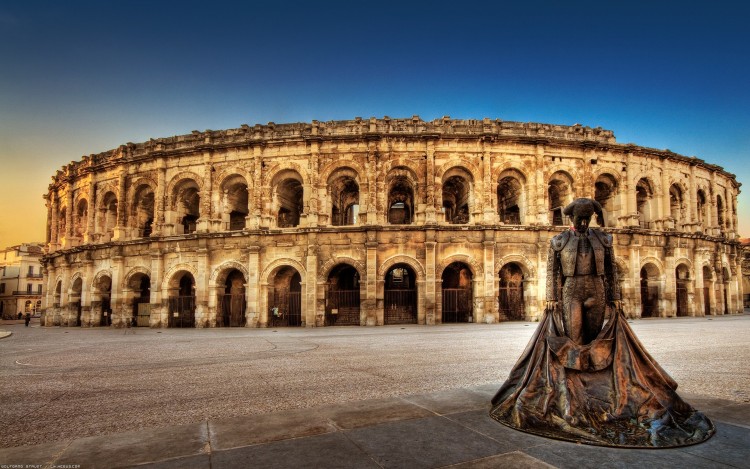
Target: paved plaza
(396,396)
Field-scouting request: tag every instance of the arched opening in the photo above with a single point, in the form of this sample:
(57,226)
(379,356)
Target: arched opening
(644,195)
(182,300)
(707,279)
(701,208)
(511,301)
(344,192)
(140,285)
(81,218)
(27,306)
(509,200)
(400,295)
(75,300)
(649,291)
(142,215)
(560,194)
(231,302)
(676,205)
(107,216)
(186,205)
(342,296)
(458,300)
(285,298)
(682,281)
(37,306)
(102,303)
(288,199)
(61,224)
(235,203)
(720,212)
(456,191)
(400,201)
(605,191)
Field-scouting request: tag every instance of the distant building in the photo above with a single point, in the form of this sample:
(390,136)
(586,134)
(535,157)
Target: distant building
(21,279)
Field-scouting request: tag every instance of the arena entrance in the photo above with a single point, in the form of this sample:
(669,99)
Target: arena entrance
(285,298)
(103,302)
(400,296)
(231,303)
(649,291)
(458,300)
(707,279)
(75,300)
(342,297)
(512,306)
(140,285)
(682,280)
(182,304)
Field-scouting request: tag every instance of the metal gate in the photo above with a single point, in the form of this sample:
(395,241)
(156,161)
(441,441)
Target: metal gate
(285,309)
(143,314)
(512,306)
(457,305)
(182,311)
(682,299)
(400,306)
(231,311)
(342,308)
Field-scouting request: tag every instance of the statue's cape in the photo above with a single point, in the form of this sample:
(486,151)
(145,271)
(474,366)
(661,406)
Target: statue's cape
(609,392)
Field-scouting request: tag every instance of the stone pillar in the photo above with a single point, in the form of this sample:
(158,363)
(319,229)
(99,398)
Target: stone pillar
(160,202)
(430,209)
(537,189)
(87,311)
(670,285)
(117,300)
(429,280)
(122,202)
(88,237)
(61,319)
(310,192)
(202,313)
(372,176)
(159,309)
(489,216)
(207,189)
(491,306)
(371,307)
(54,222)
(69,218)
(313,317)
(252,289)
(666,204)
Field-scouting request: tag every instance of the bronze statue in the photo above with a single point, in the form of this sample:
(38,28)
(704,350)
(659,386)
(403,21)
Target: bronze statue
(582,380)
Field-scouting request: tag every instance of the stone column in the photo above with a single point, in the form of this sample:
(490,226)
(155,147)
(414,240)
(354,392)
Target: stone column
(159,309)
(370,306)
(429,280)
(61,319)
(666,204)
(204,219)
(537,191)
(313,318)
(252,289)
(117,303)
(489,216)
(87,312)
(54,235)
(88,237)
(491,306)
(430,209)
(161,187)
(122,202)
(69,218)
(372,176)
(202,313)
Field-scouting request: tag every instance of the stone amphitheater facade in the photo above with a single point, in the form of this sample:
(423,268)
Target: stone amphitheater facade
(376,221)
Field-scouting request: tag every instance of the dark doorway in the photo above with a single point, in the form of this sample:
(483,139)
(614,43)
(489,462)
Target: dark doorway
(649,292)
(142,302)
(231,303)
(285,299)
(458,301)
(682,277)
(342,297)
(400,296)
(182,306)
(512,306)
(706,290)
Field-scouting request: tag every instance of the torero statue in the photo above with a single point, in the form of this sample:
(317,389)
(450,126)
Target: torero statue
(586,379)
(581,272)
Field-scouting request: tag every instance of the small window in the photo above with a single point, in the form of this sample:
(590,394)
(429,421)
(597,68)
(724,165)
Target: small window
(31,270)
(29,287)
(2,288)
(39,289)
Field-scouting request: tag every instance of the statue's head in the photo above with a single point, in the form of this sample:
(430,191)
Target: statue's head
(581,211)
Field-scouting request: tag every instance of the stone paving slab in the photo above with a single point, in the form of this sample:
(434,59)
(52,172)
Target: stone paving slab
(444,429)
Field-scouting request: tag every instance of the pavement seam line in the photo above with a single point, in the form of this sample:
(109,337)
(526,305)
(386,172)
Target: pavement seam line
(364,451)
(57,456)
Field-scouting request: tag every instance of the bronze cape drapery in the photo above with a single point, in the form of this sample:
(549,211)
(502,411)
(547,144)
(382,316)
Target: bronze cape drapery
(609,392)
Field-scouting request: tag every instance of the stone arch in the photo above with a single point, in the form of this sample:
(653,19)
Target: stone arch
(477,271)
(607,188)
(404,164)
(510,195)
(134,271)
(216,279)
(168,281)
(527,267)
(72,281)
(656,262)
(336,165)
(560,189)
(277,264)
(227,173)
(456,163)
(278,169)
(136,184)
(401,259)
(343,195)
(98,277)
(332,262)
(177,179)
(511,169)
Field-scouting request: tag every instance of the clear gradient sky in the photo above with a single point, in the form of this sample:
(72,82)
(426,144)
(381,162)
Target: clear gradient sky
(85,77)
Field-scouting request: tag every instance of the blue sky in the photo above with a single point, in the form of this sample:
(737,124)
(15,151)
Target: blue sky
(84,77)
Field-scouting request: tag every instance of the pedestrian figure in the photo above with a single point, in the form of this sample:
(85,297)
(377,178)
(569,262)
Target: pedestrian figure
(27,319)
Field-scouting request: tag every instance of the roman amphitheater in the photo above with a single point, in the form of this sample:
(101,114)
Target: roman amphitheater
(374,222)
